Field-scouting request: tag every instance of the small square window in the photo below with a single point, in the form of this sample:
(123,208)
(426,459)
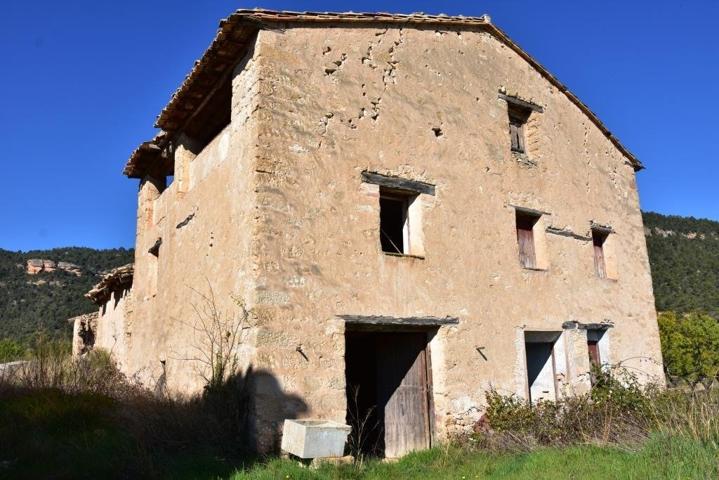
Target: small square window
(518,117)
(394,222)
(525,238)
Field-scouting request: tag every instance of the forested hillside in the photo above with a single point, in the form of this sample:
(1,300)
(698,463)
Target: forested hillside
(684,255)
(40,290)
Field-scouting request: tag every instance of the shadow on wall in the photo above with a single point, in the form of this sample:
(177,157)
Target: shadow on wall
(94,424)
(247,411)
(269,406)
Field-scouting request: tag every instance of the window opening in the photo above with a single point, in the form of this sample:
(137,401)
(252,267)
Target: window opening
(394,220)
(518,117)
(541,365)
(525,239)
(593,348)
(600,264)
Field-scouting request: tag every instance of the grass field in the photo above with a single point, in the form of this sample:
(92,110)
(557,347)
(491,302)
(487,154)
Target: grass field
(670,458)
(55,435)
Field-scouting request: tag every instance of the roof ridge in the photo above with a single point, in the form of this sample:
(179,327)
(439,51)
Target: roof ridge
(231,38)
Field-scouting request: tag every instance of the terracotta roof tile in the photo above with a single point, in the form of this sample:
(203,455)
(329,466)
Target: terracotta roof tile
(119,278)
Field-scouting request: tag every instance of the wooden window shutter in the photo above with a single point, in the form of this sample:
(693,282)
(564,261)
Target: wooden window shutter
(525,239)
(517,119)
(516,132)
(600,263)
(593,347)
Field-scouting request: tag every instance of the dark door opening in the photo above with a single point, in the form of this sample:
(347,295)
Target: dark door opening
(388,392)
(540,371)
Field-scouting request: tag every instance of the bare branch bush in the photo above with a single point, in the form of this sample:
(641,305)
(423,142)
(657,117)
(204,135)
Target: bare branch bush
(218,337)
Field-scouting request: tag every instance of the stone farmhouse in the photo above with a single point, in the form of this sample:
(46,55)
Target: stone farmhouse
(391,214)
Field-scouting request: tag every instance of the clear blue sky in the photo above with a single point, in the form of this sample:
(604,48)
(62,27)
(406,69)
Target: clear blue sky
(82,82)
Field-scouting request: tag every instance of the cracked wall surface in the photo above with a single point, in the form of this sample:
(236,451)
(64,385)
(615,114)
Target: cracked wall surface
(380,109)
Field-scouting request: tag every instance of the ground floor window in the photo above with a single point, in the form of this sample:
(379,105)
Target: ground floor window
(541,365)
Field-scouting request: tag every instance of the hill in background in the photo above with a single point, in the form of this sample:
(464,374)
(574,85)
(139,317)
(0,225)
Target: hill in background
(684,256)
(41,289)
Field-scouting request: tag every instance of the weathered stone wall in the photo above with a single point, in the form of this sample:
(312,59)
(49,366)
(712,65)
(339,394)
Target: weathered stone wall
(423,105)
(205,220)
(114,326)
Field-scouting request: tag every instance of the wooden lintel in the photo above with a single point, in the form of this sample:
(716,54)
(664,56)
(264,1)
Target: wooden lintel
(382,320)
(565,232)
(398,183)
(530,211)
(574,324)
(601,227)
(521,103)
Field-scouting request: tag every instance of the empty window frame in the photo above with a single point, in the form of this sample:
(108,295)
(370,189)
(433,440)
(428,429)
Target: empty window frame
(526,222)
(394,224)
(541,365)
(518,117)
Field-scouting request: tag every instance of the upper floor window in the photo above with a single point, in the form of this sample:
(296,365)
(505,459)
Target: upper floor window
(531,240)
(394,221)
(400,213)
(603,245)
(600,263)
(525,238)
(518,117)
(519,112)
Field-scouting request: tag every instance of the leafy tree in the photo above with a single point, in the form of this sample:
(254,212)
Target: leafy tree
(690,346)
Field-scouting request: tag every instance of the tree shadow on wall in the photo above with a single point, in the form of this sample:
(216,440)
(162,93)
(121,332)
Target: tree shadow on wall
(250,410)
(228,427)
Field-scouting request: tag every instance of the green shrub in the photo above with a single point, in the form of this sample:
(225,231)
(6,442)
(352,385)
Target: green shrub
(690,346)
(11,350)
(616,410)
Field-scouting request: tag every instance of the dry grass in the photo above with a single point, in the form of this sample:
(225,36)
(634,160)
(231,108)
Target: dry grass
(85,420)
(83,415)
(617,412)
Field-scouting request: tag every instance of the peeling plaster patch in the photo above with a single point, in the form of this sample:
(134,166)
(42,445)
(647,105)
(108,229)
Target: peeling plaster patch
(296,282)
(265,297)
(324,125)
(463,404)
(365,208)
(298,148)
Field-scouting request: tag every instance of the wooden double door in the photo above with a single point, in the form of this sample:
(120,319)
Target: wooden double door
(389,391)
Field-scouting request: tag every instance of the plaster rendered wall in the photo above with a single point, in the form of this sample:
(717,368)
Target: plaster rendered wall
(344,100)
(114,326)
(205,219)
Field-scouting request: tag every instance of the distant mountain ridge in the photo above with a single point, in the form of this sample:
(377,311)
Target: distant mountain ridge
(41,289)
(684,256)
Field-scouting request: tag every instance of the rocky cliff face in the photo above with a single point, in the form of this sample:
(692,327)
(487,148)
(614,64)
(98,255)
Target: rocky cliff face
(35,266)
